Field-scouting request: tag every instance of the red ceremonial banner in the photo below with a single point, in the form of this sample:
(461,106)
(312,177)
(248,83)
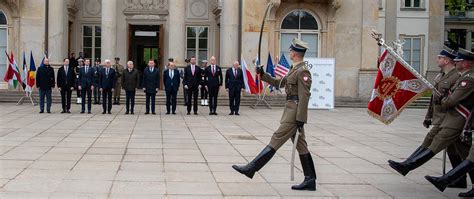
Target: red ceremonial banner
(395,87)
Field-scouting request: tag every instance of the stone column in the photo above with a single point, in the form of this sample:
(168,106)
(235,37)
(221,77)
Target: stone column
(58,32)
(369,48)
(391,9)
(176,32)
(229,32)
(109,29)
(468,40)
(435,36)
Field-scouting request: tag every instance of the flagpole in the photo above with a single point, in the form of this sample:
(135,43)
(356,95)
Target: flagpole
(381,42)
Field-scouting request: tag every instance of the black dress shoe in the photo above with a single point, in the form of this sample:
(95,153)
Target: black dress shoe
(195,113)
(103,112)
(174,113)
(215,113)
(237,114)
(48,111)
(126,113)
(82,112)
(211,113)
(41,112)
(167,113)
(231,113)
(63,111)
(146,113)
(188,113)
(68,111)
(109,112)
(88,112)
(153,113)
(132,113)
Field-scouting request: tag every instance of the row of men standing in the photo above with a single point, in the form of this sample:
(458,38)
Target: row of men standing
(104,80)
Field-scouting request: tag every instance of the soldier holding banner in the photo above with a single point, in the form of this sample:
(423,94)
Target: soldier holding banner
(461,103)
(435,115)
(298,86)
(458,104)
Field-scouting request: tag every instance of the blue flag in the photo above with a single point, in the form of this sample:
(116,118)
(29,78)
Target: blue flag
(270,69)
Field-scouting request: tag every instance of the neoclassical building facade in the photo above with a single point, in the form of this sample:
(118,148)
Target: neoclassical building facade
(138,30)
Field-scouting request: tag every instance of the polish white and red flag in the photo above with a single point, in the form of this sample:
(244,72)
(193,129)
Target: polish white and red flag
(395,88)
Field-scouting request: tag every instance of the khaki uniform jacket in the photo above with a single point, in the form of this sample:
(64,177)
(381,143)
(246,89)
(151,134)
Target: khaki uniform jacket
(442,83)
(462,93)
(296,83)
(119,69)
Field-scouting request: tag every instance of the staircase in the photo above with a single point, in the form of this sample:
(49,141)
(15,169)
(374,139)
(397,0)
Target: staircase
(7,96)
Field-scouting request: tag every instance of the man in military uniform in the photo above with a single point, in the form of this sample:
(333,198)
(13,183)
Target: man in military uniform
(118,85)
(458,105)
(460,102)
(298,84)
(435,115)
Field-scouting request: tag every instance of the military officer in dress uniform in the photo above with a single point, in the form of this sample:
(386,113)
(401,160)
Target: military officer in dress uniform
(458,105)
(298,85)
(118,85)
(462,100)
(435,115)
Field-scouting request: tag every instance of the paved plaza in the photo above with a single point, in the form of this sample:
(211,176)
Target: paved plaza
(180,156)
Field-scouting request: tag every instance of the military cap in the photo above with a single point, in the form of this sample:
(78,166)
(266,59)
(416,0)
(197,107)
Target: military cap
(205,61)
(80,59)
(298,45)
(464,54)
(117,58)
(448,52)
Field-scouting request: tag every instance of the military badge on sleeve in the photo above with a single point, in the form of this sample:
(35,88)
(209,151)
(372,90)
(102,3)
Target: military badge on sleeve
(464,83)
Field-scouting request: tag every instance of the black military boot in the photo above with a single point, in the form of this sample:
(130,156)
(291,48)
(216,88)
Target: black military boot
(413,162)
(470,193)
(309,182)
(455,160)
(442,182)
(257,163)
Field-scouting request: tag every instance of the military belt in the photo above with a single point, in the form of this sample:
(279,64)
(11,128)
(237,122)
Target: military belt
(292,97)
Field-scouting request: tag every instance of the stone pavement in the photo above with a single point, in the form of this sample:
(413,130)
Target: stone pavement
(179,156)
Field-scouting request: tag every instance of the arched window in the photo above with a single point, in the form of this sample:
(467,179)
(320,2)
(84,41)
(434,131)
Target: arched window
(3,43)
(302,25)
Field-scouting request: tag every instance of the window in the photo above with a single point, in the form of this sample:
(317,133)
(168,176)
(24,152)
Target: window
(197,42)
(413,4)
(3,43)
(413,51)
(302,25)
(91,36)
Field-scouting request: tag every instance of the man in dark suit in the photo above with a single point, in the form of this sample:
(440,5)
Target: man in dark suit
(234,84)
(66,81)
(107,79)
(191,82)
(86,85)
(151,84)
(213,76)
(203,85)
(130,83)
(45,83)
(171,81)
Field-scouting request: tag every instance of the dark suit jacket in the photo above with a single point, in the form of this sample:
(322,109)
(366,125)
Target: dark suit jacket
(45,78)
(107,81)
(66,81)
(192,81)
(233,82)
(151,80)
(213,80)
(86,80)
(171,84)
(130,80)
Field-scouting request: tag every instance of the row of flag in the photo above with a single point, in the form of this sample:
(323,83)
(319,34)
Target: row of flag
(255,85)
(25,77)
